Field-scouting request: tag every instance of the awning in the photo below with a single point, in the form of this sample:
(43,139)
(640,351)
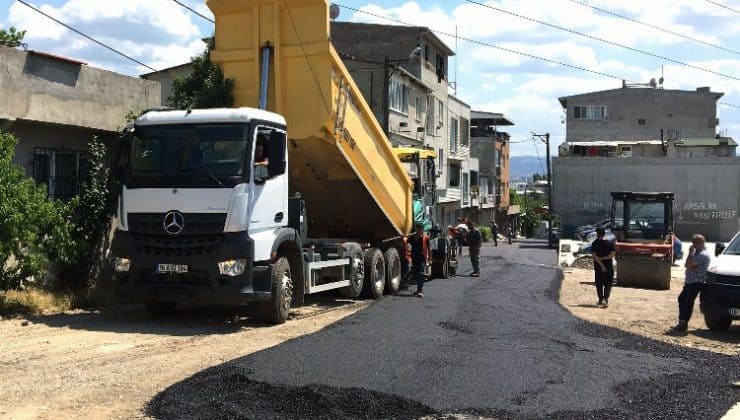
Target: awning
(513,209)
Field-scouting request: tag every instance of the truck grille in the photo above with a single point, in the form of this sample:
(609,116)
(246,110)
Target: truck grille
(729,280)
(201,234)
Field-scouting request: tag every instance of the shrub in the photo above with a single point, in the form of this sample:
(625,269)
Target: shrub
(486,233)
(33,228)
(33,301)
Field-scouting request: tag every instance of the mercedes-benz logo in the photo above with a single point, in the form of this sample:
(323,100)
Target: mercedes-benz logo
(174,222)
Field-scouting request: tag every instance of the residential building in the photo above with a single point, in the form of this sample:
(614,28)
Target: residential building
(55,105)
(644,121)
(402,73)
(166,78)
(490,145)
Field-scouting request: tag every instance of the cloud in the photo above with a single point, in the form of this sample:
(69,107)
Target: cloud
(158,33)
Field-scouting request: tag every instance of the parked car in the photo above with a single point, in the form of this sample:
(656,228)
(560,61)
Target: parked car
(582,232)
(720,301)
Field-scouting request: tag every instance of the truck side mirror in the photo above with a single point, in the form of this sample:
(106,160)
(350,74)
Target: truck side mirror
(719,248)
(277,163)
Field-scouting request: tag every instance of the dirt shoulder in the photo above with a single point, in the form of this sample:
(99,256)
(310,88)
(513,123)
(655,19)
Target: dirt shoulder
(101,366)
(649,313)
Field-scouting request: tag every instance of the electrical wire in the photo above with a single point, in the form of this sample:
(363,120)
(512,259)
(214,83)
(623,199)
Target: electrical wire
(305,55)
(486,44)
(723,6)
(86,36)
(195,12)
(658,28)
(606,41)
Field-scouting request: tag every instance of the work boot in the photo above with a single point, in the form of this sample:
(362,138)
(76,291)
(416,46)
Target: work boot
(682,325)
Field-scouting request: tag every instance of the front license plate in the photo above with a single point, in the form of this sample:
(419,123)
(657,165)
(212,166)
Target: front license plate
(172,268)
(735,311)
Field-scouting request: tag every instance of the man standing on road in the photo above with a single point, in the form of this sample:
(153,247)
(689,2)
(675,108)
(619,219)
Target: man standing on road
(475,240)
(697,263)
(462,234)
(494,232)
(509,232)
(419,257)
(603,253)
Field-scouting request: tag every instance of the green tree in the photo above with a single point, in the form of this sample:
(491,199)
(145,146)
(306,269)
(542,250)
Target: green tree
(91,217)
(33,228)
(12,37)
(205,87)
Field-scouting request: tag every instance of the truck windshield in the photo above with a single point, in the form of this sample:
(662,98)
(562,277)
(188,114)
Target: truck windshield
(188,155)
(734,247)
(646,220)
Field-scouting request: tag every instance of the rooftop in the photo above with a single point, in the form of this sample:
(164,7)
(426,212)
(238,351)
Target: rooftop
(491,118)
(699,91)
(387,28)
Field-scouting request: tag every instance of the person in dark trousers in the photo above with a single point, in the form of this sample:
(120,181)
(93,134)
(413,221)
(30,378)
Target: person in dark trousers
(509,233)
(494,232)
(697,263)
(475,240)
(419,243)
(603,253)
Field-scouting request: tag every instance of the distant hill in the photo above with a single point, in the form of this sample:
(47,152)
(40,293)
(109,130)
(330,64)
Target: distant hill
(526,166)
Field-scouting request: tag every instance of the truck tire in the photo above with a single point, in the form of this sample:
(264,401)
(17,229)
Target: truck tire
(392,271)
(282,292)
(717,323)
(374,273)
(356,273)
(157,309)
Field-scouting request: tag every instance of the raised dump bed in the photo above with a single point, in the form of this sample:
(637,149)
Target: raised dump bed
(339,157)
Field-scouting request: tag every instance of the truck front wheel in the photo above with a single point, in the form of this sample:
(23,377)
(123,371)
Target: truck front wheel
(717,322)
(282,291)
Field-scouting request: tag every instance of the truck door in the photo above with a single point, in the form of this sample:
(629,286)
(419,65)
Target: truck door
(269,198)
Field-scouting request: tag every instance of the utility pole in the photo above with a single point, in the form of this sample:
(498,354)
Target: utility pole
(546,139)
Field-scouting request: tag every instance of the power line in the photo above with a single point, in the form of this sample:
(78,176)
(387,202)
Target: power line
(86,36)
(668,31)
(539,158)
(194,11)
(606,41)
(723,6)
(486,44)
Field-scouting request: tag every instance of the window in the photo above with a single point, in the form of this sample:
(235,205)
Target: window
(441,67)
(399,96)
(464,132)
(441,158)
(473,177)
(419,107)
(430,116)
(63,172)
(641,121)
(465,189)
(453,135)
(441,112)
(590,112)
(454,174)
(426,54)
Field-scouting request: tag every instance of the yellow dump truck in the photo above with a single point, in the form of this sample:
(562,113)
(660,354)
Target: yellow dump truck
(296,191)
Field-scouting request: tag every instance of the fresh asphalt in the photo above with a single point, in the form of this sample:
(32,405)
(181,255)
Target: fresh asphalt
(497,346)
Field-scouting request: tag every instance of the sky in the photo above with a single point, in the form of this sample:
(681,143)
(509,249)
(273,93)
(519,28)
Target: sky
(505,50)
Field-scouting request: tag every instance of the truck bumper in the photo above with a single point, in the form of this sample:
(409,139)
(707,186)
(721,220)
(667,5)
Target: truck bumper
(202,284)
(717,300)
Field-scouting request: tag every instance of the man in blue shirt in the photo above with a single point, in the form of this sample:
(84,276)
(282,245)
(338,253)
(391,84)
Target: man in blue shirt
(697,263)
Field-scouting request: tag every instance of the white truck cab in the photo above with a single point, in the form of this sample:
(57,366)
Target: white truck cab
(720,301)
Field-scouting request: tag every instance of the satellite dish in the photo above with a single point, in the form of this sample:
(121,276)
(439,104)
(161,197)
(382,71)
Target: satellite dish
(334,11)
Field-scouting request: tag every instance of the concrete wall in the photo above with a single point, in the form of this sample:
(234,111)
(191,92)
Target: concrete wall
(167,77)
(47,89)
(693,113)
(707,190)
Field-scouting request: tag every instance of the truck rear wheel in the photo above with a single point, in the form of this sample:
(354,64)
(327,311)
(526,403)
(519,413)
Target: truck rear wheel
(374,273)
(356,273)
(282,292)
(392,271)
(717,323)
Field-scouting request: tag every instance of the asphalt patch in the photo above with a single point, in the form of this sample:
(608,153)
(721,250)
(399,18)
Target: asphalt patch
(227,392)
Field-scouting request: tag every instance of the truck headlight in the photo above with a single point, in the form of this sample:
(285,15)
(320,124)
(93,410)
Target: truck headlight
(232,267)
(122,264)
(711,277)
